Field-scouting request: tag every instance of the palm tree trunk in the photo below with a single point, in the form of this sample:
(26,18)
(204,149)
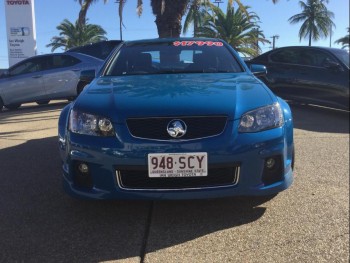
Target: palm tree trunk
(310,37)
(83,11)
(169,15)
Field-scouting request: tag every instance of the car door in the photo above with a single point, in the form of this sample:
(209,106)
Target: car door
(24,82)
(282,72)
(322,78)
(61,76)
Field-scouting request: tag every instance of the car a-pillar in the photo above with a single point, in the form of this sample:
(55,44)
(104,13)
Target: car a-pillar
(81,86)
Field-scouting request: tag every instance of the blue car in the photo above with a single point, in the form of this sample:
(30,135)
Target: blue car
(176,119)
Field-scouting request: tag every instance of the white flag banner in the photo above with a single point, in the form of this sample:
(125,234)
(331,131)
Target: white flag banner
(20,25)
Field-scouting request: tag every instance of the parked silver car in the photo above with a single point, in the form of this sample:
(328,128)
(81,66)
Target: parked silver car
(45,77)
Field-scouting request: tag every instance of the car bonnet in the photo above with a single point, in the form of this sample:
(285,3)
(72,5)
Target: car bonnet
(138,96)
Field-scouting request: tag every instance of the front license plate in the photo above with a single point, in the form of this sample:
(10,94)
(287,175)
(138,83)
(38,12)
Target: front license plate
(177,164)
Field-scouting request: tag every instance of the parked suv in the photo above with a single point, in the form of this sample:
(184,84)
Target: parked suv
(314,75)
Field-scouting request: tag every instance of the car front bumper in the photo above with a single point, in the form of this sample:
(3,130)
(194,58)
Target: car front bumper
(246,152)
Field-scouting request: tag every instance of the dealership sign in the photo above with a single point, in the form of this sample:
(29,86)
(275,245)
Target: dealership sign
(20,25)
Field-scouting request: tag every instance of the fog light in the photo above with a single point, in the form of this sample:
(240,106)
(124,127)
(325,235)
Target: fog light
(270,163)
(83,168)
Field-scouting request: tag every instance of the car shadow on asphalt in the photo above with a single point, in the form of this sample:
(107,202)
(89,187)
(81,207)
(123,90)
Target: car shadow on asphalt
(319,119)
(29,109)
(40,223)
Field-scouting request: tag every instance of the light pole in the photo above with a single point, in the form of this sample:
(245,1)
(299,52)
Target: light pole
(274,37)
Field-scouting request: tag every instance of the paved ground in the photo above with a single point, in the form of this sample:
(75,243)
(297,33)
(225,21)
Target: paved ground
(39,223)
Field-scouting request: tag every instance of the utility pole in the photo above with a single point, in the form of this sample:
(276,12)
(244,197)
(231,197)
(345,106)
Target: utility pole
(274,37)
(218,2)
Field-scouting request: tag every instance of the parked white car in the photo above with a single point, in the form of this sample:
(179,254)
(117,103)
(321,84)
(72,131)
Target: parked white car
(45,77)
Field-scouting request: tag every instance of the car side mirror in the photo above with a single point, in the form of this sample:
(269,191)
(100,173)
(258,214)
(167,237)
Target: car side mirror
(258,70)
(87,76)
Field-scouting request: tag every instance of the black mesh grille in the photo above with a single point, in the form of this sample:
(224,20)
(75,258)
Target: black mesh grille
(138,179)
(197,127)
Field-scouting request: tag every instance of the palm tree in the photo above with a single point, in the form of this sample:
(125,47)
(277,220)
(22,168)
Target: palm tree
(195,15)
(85,4)
(168,14)
(344,41)
(74,35)
(317,20)
(196,12)
(235,27)
(259,37)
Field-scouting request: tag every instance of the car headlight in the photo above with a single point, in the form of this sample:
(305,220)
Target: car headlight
(84,123)
(264,118)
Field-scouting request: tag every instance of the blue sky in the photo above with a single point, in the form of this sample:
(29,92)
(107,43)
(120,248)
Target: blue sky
(274,21)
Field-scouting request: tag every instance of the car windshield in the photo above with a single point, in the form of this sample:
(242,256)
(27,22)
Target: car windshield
(343,55)
(173,57)
(99,50)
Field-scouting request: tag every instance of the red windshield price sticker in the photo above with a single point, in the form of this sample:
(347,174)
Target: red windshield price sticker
(198,43)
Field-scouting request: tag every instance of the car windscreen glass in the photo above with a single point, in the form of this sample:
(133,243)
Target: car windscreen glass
(173,57)
(342,55)
(61,61)
(289,56)
(99,50)
(29,66)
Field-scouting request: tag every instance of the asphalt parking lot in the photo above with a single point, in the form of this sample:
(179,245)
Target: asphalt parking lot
(39,223)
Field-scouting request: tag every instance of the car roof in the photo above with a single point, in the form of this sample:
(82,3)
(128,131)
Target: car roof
(327,49)
(308,47)
(77,55)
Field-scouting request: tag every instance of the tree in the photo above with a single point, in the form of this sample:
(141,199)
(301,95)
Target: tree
(85,4)
(168,14)
(235,27)
(196,12)
(74,35)
(195,15)
(344,41)
(316,20)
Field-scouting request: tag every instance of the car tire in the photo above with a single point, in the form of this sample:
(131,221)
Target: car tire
(13,106)
(43,102)
(1,104)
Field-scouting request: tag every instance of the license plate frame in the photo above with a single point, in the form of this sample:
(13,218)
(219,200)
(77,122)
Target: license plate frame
(170,165)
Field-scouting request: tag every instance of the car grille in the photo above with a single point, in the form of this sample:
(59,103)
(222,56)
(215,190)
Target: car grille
(156,128)
(139,180)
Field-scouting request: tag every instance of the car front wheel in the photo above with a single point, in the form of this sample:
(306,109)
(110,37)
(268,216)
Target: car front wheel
(13,106)
(1,104)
